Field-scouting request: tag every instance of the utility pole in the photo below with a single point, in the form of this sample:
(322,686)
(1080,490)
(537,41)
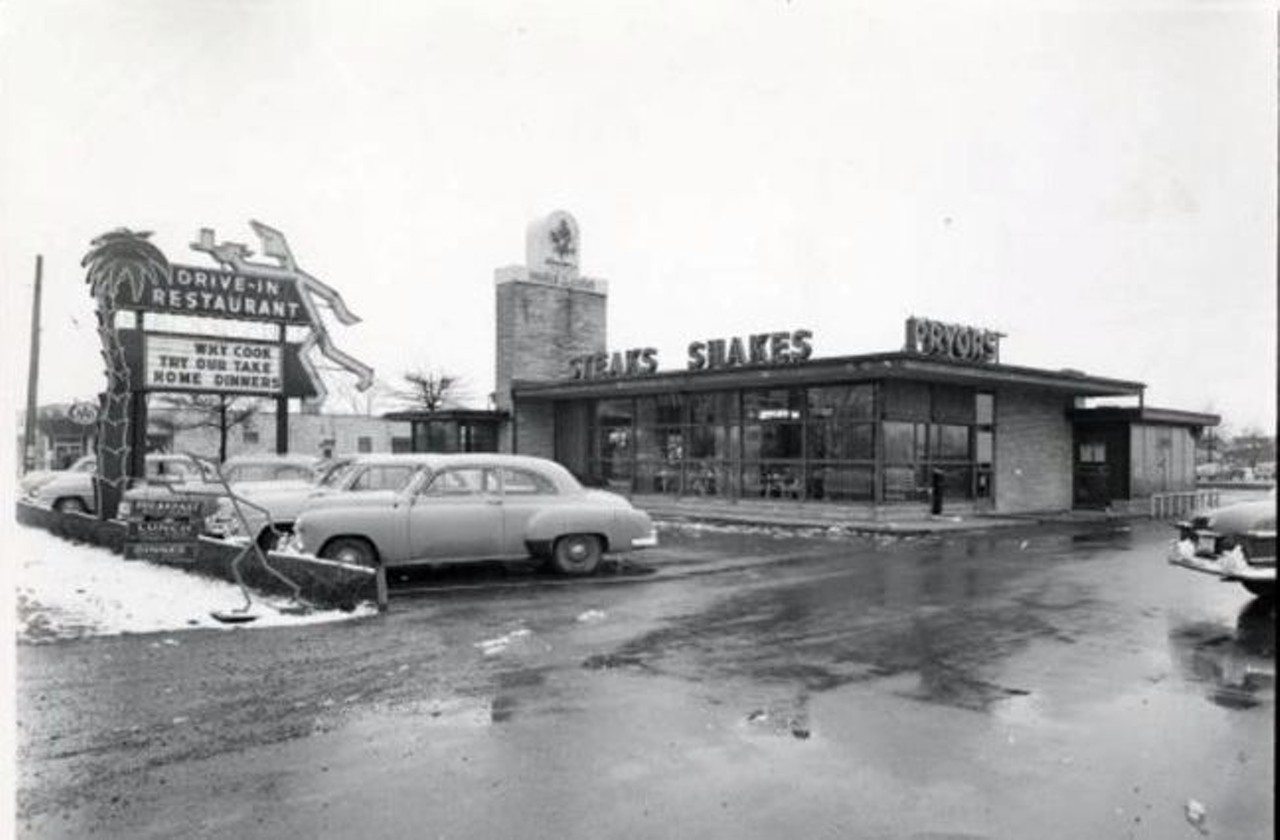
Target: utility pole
(33,374)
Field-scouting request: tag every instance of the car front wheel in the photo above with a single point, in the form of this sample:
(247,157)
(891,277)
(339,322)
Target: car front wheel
(70,505)
(352,550)
(576,554)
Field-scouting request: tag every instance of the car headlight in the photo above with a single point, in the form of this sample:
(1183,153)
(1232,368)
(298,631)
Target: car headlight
(223,520)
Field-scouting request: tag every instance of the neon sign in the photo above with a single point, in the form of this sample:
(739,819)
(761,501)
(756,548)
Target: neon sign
(952,341)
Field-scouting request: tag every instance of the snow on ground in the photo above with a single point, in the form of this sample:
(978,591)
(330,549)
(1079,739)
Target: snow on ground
(69,590)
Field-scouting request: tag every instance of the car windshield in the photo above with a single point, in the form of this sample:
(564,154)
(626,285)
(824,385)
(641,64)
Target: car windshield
(336,474)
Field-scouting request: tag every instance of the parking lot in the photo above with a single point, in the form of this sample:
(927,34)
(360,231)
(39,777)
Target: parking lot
(1053,681)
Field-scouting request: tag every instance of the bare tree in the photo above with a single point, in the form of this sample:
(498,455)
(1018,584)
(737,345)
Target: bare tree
(210,411)
(431,390)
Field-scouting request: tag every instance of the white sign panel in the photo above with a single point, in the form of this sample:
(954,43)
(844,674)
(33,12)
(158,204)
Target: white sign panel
(189,363)
(86,414)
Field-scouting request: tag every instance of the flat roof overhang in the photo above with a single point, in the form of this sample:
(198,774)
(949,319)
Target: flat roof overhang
(1144,414)
(907,366)
(446,414)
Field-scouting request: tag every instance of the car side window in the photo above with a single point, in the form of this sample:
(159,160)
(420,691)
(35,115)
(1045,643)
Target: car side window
(381,478)
(525,483)
(460,481)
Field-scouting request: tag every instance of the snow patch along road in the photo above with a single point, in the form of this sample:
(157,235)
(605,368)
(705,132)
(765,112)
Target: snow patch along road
(67,590)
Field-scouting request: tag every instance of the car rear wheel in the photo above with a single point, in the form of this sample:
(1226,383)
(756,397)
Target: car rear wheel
(353,550)
(576,554)
(70,505)
(1261,588)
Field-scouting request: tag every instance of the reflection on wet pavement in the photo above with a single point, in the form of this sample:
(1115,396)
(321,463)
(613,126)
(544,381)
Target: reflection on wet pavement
(947,612)
(1236,665)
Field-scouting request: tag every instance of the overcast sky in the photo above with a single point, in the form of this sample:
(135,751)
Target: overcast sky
(1097,180)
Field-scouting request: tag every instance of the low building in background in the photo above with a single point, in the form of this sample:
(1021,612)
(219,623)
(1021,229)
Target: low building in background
(453,429)
(60,440)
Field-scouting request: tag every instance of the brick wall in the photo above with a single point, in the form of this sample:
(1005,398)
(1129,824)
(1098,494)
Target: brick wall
(1033,451)
(539,328)
(535,430)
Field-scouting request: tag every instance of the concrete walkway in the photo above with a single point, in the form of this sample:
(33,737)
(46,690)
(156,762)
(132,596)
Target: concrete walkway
(904,520)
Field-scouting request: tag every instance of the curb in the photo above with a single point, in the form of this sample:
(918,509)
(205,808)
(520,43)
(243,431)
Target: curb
(322,583)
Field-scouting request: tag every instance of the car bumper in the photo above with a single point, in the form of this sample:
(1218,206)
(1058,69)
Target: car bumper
(1229,566)
(649,540)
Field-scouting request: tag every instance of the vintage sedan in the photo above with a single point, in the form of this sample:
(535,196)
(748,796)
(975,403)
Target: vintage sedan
(34,480)
(1235,543)
(468,507)
(73,491)
(271,506)
(262,469)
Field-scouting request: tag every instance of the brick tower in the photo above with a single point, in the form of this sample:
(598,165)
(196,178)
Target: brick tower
(547,313)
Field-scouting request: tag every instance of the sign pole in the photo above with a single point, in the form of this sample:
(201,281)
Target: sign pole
(33,374)
(282,403)
(137,466)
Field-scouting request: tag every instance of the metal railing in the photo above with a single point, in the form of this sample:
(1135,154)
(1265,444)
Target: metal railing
(1180,504)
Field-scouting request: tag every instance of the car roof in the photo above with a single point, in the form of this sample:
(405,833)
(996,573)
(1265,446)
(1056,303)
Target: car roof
(442,460)
(270,458)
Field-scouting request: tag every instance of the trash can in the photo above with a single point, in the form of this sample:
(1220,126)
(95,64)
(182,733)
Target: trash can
(938,483)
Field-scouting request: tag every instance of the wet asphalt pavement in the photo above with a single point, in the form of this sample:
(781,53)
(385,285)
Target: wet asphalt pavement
(1062,683)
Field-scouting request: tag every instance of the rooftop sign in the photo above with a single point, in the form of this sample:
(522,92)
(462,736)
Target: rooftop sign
(775,348)
(952,341)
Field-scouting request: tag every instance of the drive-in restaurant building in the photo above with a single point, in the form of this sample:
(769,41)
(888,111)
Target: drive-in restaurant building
(763,416)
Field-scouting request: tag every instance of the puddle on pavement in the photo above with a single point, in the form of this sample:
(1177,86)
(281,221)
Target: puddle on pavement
(1235,665)
(788,718)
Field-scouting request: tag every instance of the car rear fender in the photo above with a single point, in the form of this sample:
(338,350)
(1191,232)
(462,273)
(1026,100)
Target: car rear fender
(545,527)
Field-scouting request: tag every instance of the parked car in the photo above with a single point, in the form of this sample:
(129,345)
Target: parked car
(204,481)
(260,469)
(273,505)
(169,475)
(467,507)
(1233,543)
(72,492)
(34,480)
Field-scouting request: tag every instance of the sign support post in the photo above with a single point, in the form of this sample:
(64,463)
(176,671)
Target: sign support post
(137,466)
(282,403)
(33,374)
